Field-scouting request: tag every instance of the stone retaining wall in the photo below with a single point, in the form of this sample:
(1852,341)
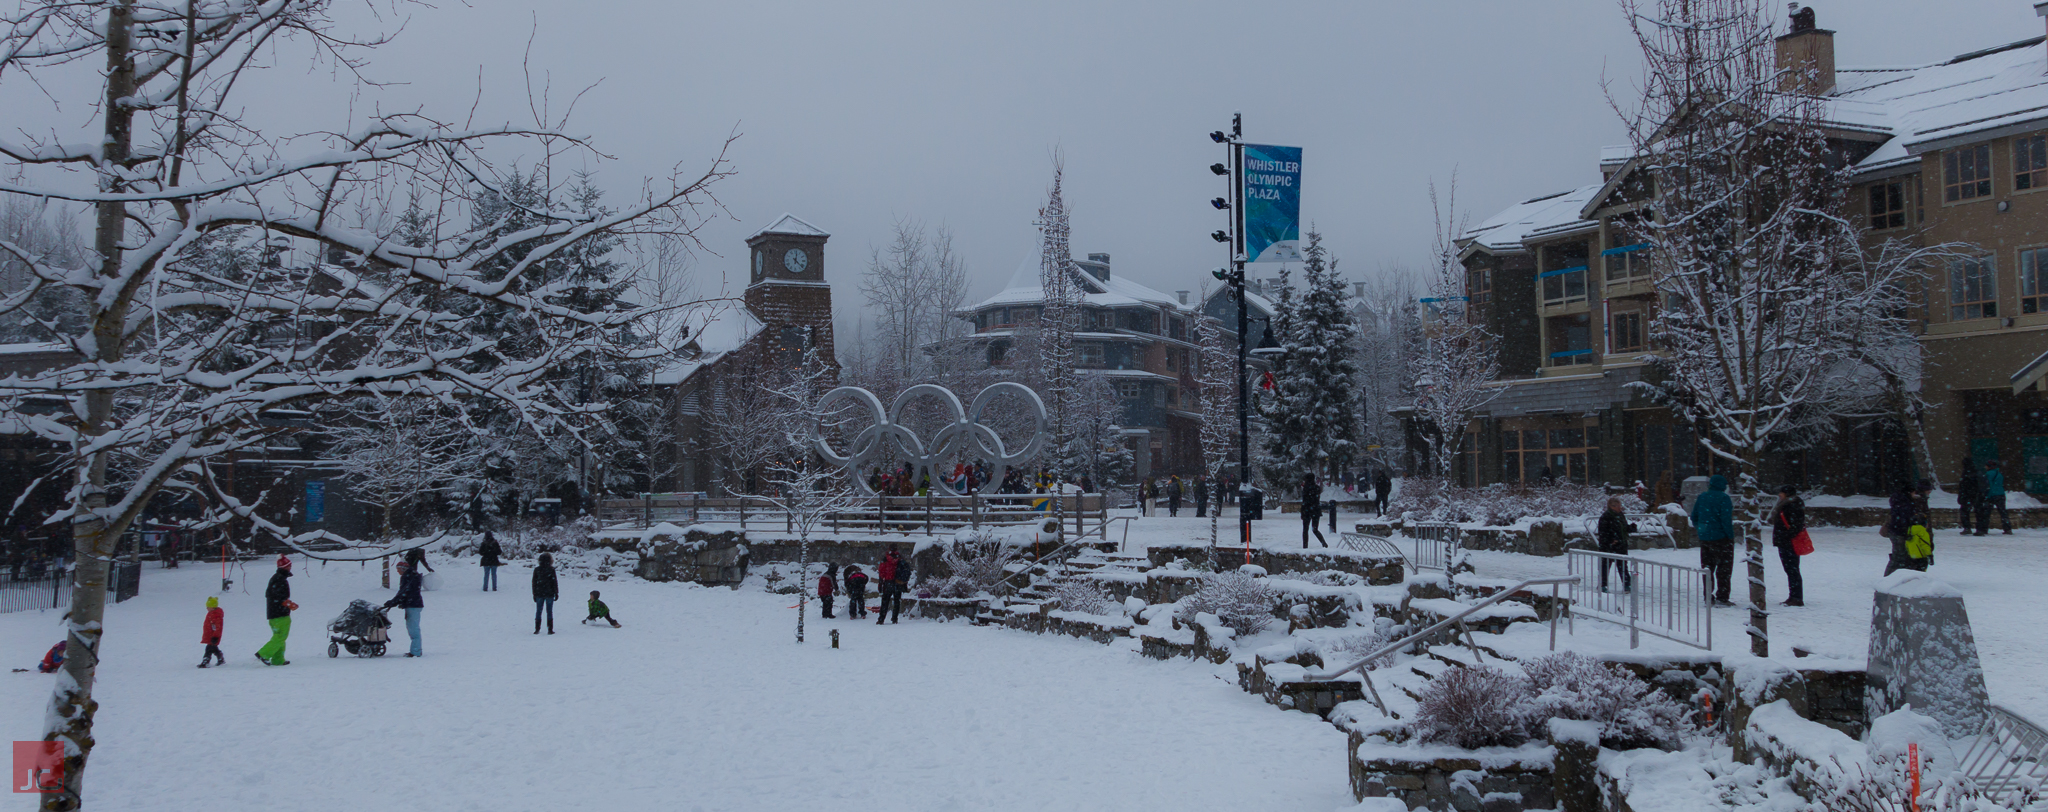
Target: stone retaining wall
(1376,570)
(1445,779)
(1944,518)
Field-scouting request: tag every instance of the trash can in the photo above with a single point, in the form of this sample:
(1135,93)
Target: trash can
(1251,503)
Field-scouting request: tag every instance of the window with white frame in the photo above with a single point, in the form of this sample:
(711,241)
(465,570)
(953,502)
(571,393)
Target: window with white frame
(1972,288)
(1090,354)
(1130,390)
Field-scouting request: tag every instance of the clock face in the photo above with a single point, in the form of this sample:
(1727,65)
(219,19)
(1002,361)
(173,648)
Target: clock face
(796,260)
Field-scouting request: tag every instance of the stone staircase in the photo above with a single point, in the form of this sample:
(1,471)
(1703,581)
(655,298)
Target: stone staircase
(1045,577)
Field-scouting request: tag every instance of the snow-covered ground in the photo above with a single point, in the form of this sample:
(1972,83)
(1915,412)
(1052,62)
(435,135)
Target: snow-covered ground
(701,702)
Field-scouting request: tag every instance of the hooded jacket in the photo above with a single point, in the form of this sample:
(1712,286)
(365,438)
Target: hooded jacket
(210,632)
(490,551)
(1713,513)
(545,587)
(408,596)
(274,596)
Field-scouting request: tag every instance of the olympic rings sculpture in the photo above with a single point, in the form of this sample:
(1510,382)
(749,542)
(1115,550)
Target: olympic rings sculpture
(951,439)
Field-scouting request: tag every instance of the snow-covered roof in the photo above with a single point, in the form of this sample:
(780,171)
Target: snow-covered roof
(790,224)
(713,331)
(1549,214)
(1931,106)
(1024,288)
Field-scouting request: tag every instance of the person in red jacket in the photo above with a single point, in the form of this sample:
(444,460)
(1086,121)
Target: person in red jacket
(891,586)
(825,583)
(210,634)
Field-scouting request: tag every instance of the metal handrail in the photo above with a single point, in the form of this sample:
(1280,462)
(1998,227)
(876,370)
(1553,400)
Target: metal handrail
(1497,597)
(2010,754)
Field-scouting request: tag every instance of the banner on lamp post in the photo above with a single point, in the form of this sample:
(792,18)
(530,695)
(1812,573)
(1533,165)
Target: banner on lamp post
(1272,203)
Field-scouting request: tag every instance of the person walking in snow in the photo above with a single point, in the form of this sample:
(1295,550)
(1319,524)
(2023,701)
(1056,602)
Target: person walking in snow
(1381,487)
(1173,492)
(209,633)
(825,584)
(1969,495)
(1613,532)
(277,607)
(1311,509)
(1201,496)
(1994,497)
(408,598)
(1788,520)
(856,592)
(1713,519)
(489,553)
(545,590)
(892,574)
(599,611)
(1908,529)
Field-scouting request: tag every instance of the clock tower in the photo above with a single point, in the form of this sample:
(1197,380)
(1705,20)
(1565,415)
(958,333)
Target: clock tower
(786,287)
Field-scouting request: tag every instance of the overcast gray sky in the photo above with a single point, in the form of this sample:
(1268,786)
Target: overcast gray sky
(855,114)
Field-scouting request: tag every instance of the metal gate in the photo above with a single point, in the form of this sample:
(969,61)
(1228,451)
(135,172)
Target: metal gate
(1648,597)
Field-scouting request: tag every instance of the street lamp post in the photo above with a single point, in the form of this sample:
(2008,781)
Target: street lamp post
(1234,275)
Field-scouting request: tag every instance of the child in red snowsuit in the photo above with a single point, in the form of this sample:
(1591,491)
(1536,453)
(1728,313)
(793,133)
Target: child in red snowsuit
(210,634)
(825,583)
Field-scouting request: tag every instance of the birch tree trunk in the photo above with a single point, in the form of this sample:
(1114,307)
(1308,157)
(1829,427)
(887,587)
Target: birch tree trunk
(71,704)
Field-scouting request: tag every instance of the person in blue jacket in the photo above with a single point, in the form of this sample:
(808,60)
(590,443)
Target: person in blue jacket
(1994,497)
(1713,519)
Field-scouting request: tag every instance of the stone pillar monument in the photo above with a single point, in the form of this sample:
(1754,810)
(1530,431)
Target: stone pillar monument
(1923,655)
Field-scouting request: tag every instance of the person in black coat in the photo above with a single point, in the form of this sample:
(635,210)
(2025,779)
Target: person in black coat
(1969,494)
(1787,521)
(1381,486)
(545,591)
(1201,496)
(1311,509)
(408,598)
(277,607)
(856,592)
(1613,533)
(490,552)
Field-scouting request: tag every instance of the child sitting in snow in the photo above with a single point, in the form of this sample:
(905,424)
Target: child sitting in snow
(599,611)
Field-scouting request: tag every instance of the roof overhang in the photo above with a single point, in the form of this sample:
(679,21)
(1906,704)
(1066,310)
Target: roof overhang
(2037,118)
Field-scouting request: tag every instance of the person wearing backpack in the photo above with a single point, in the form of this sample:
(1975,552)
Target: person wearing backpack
(1788,525)
(1912,540)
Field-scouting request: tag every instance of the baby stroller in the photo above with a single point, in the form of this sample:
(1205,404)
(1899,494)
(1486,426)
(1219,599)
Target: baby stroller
(361,628)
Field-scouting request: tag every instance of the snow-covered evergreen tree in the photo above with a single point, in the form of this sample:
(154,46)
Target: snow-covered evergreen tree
(1312,408)
(1099,449)
(1058,318)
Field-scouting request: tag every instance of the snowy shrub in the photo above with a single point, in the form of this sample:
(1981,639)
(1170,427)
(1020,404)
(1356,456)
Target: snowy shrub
(1242,602)
(978,563)
(1478,706)
(1346,650)
(1630,712)
(1084,595)
(1333,578)
(1502,504)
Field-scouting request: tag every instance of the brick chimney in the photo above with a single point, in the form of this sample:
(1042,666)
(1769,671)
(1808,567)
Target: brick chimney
(1806,55)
